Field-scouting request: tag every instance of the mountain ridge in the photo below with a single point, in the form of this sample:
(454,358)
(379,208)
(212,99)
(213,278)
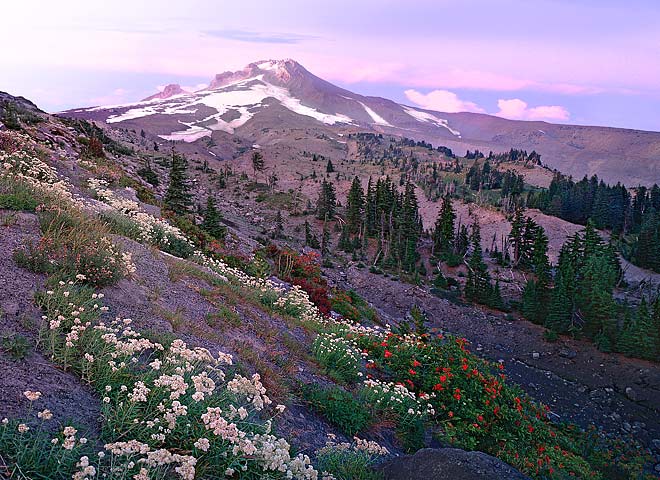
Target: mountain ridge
(272,89)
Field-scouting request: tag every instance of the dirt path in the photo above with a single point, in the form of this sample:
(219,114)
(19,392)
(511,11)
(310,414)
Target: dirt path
(579,383)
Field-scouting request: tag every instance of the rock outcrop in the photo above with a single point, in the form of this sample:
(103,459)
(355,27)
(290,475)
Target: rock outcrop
(449,464)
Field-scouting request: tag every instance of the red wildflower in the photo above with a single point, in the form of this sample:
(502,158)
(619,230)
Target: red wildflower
(416,363)
(388,354)
(443,378)
(457,394)
(412,372)
(451,414)
(438,387)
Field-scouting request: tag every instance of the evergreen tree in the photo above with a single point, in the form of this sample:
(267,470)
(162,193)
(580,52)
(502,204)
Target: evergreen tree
(370,209)
(329,168)
(345,243)
(212,220)
(596,303)
(258,163)
(310,239)
(326,206)
(178,198)
(462,241)
(477,286)
(279,225)
(443,234)
(410,228)
(516,236)
(325,239)
(148,174)
(355,207)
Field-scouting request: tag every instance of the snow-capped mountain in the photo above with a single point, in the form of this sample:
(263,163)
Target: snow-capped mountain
(232,99)
(282,94)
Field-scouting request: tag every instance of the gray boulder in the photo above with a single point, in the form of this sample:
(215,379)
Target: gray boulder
(449,463)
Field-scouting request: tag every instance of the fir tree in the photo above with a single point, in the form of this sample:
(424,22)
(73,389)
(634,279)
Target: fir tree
(325,239)
(212,220)
(178,198)
(310,239)
(595,301)
(462,241)
(326,205)
(477,286)
(148,174)
(329,168)
(345,243)
(443,234)
(355,207)
(258,163)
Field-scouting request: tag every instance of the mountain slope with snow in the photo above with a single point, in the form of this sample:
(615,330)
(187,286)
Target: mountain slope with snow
(283,94)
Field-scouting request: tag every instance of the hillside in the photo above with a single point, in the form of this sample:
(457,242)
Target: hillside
(68,185)
(282,92)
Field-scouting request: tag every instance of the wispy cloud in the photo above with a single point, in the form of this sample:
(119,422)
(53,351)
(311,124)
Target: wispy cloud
(259,37)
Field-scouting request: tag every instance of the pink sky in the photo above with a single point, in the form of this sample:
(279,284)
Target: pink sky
(584,61)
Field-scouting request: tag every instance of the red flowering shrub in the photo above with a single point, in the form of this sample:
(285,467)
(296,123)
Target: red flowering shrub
(474,406)
(304,271)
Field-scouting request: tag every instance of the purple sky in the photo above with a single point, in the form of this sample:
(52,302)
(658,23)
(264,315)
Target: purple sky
(576,61)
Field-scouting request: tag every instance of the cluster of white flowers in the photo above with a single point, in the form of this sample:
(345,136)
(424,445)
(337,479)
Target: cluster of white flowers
(86,471)
(23,167)
(252,389)
(179,378)
(339,353)
(153,230)
(358,445)
(396,397)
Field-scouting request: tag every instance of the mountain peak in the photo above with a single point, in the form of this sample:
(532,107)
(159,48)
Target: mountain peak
(278,71)
(167,92)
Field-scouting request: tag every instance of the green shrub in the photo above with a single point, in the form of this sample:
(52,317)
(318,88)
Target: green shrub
(73,246)
(30,454)
(223,317)
(348,464)
(16,195)
(339,357)
(339,407)
(16,346)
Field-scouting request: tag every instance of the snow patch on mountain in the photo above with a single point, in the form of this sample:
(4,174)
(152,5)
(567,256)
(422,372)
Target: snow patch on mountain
(378,120)
(244,97)
(430,118)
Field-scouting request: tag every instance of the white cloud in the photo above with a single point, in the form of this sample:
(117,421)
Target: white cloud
(517,109)
(513,108)
(442,101)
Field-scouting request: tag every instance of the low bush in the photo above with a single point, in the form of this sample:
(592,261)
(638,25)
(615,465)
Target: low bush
(355,461)
(339,407)
(15,345)
(74,246)
(339,357)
